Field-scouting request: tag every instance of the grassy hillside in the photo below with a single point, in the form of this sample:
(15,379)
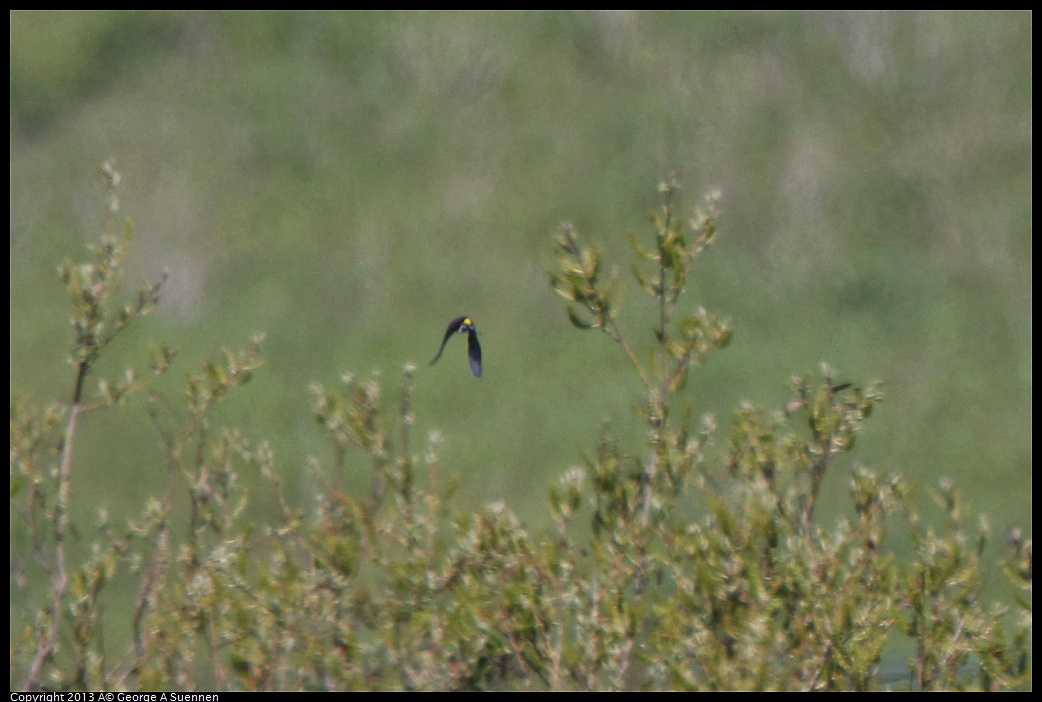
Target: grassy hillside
(349,182)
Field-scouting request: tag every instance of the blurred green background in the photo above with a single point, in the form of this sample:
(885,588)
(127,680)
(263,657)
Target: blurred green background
(349,182)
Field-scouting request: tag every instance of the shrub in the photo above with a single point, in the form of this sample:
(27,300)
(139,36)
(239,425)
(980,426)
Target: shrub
(680,566)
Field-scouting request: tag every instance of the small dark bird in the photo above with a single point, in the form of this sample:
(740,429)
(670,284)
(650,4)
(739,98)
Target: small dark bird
(464,324)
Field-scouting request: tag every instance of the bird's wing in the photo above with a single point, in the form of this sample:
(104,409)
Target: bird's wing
(474,353)
(452,329)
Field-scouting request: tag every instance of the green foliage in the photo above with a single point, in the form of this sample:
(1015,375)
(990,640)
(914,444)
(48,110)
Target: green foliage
(278,158)
(684,567)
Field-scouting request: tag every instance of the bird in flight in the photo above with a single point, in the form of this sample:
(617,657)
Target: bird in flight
(464,324)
